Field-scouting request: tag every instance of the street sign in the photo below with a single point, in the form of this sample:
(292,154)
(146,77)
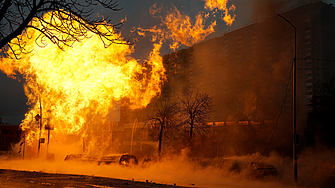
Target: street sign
(42,140)
(49,127)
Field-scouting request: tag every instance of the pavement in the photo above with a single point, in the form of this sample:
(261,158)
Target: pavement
(27,179)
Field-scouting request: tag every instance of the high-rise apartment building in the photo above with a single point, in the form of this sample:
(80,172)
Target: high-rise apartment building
(248,70)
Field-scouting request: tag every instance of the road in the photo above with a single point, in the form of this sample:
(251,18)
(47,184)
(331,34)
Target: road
(14,179)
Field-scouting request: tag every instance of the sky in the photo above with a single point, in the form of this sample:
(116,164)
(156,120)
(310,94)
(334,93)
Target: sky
(136,12)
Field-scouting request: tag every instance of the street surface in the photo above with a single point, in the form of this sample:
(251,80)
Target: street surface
(15,179)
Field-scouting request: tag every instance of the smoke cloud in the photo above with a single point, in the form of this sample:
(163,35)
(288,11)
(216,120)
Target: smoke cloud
(315,168)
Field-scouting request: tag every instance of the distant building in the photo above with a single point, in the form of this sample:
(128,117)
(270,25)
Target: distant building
(248,70)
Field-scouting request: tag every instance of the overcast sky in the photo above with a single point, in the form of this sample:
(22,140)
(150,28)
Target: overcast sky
(136,12)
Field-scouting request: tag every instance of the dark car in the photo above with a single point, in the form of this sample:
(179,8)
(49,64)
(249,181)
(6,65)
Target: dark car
(73,157)
(262,170)
(81,158)
(123,159)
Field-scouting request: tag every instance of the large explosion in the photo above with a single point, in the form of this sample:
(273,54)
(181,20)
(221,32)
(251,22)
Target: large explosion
(79,85)
(76,87)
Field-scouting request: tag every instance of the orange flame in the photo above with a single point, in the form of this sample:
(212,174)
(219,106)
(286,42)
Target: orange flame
(179,28)
(221,5)
(78,86)
(183,31)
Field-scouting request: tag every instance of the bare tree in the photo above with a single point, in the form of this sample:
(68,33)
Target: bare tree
(69,22)
(162,118)
(195,111)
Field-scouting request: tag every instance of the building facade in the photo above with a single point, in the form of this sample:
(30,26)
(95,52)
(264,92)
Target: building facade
(248,71)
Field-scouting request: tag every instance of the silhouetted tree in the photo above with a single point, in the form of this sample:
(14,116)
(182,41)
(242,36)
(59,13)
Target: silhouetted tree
(195,110)
(75,20)
(162,118)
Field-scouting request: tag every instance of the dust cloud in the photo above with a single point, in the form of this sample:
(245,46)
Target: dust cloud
(315,168)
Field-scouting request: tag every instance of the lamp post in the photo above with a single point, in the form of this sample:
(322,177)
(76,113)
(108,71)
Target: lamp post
(38,117)
(295,136)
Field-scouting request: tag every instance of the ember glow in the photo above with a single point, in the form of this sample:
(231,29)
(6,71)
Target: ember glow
(79,85)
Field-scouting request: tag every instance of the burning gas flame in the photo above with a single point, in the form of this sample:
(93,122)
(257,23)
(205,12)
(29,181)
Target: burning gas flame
(181,29)
(178,27)
(78,86)
(74,88)
(221,5)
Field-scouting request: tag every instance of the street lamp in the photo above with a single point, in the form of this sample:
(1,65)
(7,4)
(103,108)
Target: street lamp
(295,136)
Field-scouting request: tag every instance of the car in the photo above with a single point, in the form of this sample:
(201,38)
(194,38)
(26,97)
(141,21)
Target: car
(122,159)
(262,170)
(73,157)
(81,158)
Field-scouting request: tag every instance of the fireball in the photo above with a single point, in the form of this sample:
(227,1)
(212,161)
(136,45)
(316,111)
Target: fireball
(74,88)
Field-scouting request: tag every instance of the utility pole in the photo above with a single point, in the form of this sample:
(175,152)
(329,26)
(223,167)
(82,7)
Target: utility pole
(295,136)
(39,138)
(132,135)
(48,140)
(24,144)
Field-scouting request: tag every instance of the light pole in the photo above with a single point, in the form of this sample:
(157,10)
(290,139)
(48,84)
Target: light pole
(38,117)
(132,135)
(24,144)
(39,138)
(295,137)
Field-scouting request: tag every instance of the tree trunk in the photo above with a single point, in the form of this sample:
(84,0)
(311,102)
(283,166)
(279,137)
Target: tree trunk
(160,141)
(191,131)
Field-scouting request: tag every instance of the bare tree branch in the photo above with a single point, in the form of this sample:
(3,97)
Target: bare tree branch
(71,18)
(163,118)
(195,111)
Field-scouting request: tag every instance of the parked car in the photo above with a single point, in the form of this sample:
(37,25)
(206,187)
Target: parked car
(123,159)
(73,157)
(262,170)
(81,158)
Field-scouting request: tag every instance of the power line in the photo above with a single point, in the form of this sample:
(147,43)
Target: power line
(274,128)
(316,68)
(312,59)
